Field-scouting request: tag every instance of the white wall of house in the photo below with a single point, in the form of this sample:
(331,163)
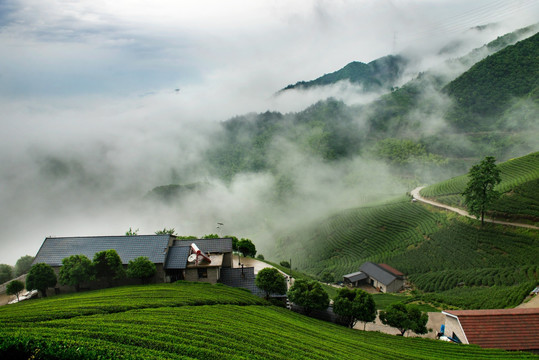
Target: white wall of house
(452,328)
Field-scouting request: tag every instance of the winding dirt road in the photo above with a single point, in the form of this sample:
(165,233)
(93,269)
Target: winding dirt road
(415,195)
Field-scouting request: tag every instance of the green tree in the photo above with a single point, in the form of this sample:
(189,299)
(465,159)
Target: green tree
(166,231)
(404,318)
(14,288)
(23,265)
(40,277)
(246,247)
(211,236)
(271,281)
(353,306)
(131,232)
(108,265)
(285,264)
(75,270)
(141,268)
(309,295)
(234,242)
(479,193)
(6,273)
(327,276)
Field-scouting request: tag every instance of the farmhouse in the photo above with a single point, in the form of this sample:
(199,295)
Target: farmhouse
(509,329)
(204,260)
(381,276)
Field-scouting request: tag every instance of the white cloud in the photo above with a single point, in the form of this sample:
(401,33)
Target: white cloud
(91,83)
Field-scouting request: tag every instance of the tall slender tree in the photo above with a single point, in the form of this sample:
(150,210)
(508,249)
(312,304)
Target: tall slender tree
(479,193)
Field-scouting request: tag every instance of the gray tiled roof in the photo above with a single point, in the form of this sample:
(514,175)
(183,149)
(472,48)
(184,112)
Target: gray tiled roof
(353,277)
(208,245)
(128,248)
(378,273)
(233,277)
(177,257)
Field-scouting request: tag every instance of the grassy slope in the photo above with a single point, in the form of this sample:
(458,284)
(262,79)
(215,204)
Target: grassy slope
(467,266)
(225,329)
(519,185)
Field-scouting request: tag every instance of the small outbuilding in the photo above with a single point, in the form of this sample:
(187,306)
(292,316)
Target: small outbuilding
(381,276)
(508,329)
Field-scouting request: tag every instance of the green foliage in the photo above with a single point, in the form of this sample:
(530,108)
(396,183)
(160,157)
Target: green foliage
(141,268)
(23,265)
(166,231)
(108,265)
(353,306)
(378,74)
(349,238)
(260,257)
(211,236)
(234,242)
(309,295)
(14,288)
(479,193)
(482,297)
(514,173)
(519,204)
(271,281)
(41,277)
(6,273)
(246,247)
(327,276)
(76,269)
(404,152)
(173,192)
(131,232)
(490,85)
(404,318)
(285,264)
(197,321)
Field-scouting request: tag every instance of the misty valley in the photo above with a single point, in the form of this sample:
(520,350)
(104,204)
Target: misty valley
(368,164)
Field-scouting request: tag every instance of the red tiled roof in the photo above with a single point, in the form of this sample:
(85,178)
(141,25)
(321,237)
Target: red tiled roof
(509,329)
(391,270)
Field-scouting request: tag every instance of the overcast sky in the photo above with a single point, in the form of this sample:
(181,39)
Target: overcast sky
(80,78)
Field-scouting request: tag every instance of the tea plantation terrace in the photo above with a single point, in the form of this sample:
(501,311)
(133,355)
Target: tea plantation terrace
(201,260)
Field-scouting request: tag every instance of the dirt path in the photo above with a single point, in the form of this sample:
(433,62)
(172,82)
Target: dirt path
(415,195)
(533,303)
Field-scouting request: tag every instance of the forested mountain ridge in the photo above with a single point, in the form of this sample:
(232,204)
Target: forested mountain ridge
(490,85)
(426,112)
(379,74)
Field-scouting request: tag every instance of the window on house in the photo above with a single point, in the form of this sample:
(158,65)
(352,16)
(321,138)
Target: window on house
(202,273)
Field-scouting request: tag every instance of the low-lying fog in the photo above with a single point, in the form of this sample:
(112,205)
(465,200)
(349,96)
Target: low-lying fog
(102,102)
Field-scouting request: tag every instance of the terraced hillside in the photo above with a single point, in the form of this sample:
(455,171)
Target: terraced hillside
(519,184)
(216,322)
(448,258)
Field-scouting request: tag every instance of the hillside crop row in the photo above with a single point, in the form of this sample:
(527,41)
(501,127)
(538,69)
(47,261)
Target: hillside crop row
(211,331)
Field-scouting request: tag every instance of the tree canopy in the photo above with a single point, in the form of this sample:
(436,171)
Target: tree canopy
(141,268)
(309,295)
(166,231)
(353,306)
(271,281)
(246,247)
(40,277)
(108,265)
(405,317)
(23,265)
(131,232)
(14,288)
(75,270)
(479,193)
(6,273)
